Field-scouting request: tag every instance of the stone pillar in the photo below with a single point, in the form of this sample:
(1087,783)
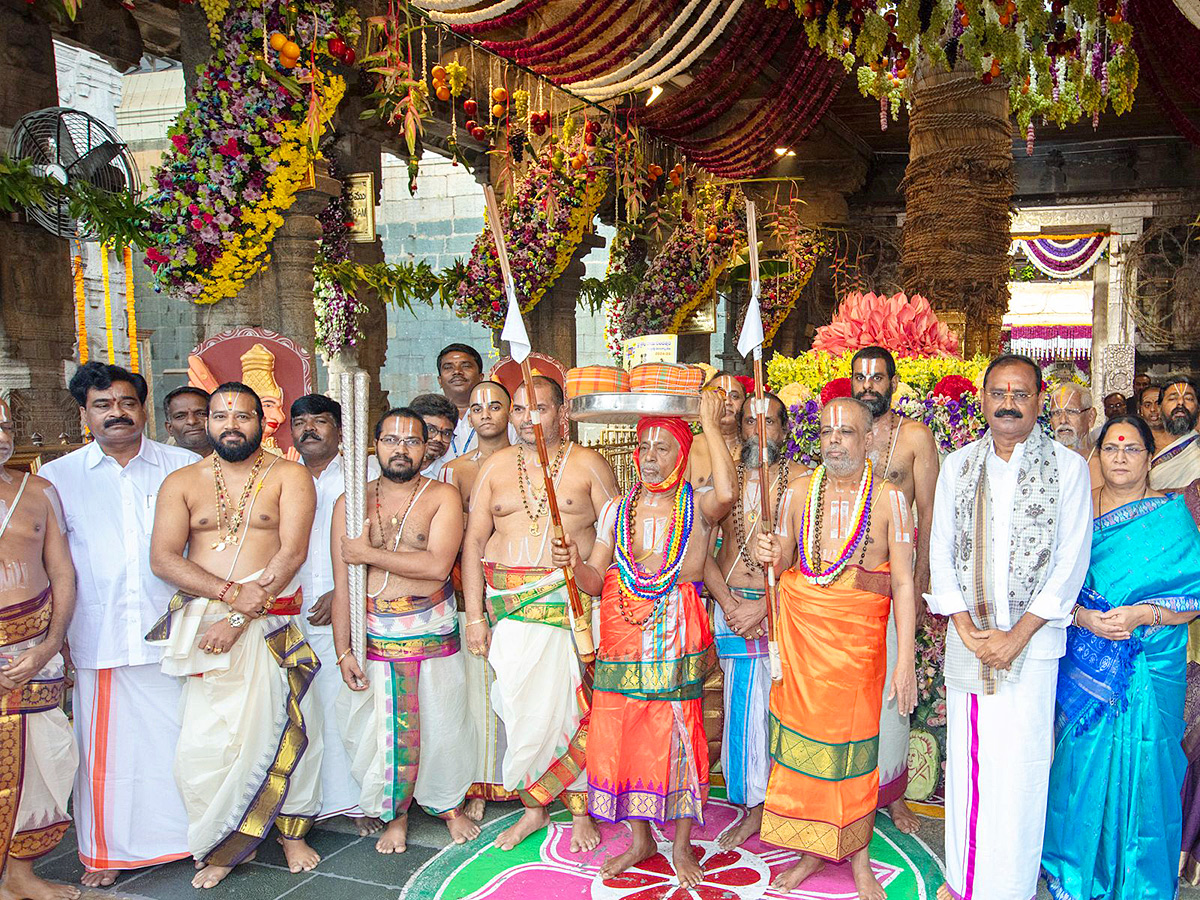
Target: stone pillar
(958,187)
(37,320)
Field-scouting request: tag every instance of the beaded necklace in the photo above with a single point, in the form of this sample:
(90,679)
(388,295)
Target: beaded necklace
(543,502)
(812,521)
(230,523)
(740,522)
(638,583)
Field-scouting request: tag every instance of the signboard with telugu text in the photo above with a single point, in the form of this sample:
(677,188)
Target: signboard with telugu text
(361,188)
(651,348)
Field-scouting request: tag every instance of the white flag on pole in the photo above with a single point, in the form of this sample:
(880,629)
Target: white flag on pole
(514,326)
(751,338)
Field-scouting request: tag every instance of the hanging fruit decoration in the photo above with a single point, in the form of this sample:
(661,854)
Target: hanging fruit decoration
(540,122)
(288,50)
(499,103)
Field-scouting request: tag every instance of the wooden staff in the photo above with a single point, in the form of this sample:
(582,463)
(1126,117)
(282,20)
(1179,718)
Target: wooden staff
(580,622)
(766,514)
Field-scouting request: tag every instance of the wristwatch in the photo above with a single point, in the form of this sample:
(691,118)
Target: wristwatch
(236,619)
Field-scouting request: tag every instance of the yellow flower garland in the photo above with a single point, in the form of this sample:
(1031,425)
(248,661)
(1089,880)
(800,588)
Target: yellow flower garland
(108,325)
(80,305)
(249,252)
(702,294)
(581,218)
(130,312)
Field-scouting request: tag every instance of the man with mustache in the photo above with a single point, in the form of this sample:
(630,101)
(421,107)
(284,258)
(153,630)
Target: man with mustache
(853,560)
(647,754)
(734,579)
(904,455)
(441,418)
(406,726)
(1150,411)
(1178,464)
(539,692)
(249,753)
(128,811)
(488,415)
(37,597)
(316,422)
(1072,418)
(459,369)
(185,413)
(1008,552)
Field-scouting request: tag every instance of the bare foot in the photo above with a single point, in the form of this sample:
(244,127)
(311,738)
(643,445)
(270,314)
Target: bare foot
(746,829)
(366,825)
(475,808)
(943,893)
(868,885)
(395,836)
(99,878)
(903,817)
(210,876)
(585,836)
(462,829)
(643,848)
(300,856)
(687,868)
(21,884)
(789,879)
(534,817)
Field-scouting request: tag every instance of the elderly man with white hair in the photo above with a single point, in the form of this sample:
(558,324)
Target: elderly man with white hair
(1072,416)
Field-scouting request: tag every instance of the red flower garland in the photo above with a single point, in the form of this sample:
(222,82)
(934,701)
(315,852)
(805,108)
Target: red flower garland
(1159,23)
(839,387)
(520,14)
(548,57)
(552,36)
(614,54)
(952,387)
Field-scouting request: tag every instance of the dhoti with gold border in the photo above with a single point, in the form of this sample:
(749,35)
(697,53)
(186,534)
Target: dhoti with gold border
(647,751)
(409,735)
(824,784)
(540,693)
(249,753)
(38,756)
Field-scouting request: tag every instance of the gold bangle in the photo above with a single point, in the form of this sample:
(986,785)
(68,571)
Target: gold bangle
(476,622)
(342,656)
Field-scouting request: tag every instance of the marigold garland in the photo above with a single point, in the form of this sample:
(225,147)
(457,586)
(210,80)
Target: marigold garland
(80,304)
(130,311)
(105,275)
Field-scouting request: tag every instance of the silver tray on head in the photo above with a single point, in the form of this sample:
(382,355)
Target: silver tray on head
(627,408)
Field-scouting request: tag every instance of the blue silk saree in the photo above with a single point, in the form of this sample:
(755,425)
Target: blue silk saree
(1114,817)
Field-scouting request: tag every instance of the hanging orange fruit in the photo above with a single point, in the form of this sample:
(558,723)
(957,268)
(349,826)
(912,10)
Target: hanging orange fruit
(277,41)
(290,49)
(499,95)
(443,92)
(439,73)
(498,110)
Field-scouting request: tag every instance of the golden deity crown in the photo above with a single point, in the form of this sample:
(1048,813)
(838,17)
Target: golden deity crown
(258,372)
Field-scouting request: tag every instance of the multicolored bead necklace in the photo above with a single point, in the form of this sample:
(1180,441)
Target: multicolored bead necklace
(230,523)
(812,522)
(636,582)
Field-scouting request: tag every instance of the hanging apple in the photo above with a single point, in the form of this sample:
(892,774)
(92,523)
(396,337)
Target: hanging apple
(470,107)
(337,47)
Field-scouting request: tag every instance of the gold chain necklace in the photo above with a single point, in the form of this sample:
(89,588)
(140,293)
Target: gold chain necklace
(229,524)
(543,501)
(397,522)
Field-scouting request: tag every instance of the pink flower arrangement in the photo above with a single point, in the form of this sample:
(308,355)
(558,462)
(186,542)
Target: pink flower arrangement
(907,326)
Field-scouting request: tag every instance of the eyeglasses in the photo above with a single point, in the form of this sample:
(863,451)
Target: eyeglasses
(1067,411)
(1019,396)
(390,440)
(1133,450)
(447,433)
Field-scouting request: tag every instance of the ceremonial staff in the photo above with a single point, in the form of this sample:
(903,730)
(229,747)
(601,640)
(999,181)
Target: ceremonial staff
(353,396)
(751,339)
(519,346)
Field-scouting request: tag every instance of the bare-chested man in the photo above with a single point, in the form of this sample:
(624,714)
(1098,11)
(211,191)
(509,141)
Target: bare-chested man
(487,415)
(539,691)
(854,561)
(733,394)
(734,579)
(647,751)
(37,597)
(1072,416)
(250,748)
(406,727)
(905,455)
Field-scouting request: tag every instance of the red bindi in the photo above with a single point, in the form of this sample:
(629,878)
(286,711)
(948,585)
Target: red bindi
(1120,437)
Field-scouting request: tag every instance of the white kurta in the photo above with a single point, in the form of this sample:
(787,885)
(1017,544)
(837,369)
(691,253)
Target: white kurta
(128,811)
(1181,469)
(999,745)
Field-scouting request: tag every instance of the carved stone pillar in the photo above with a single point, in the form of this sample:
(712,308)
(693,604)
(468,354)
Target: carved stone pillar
(958,187)
(37,321)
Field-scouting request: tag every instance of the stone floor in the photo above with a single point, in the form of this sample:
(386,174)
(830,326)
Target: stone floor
(350,868)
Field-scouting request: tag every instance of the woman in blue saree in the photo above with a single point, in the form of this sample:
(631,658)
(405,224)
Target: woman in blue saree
(1114,821)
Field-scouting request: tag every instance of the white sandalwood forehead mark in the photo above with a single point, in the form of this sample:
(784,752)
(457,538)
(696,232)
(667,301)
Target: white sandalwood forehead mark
(487,394)
(869,366)
(902,528)
(400,426)
(231,399)
(836,416)
(5,412)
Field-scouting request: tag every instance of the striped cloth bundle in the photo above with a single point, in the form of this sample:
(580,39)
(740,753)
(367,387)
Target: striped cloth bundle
(596,380)
(665,378)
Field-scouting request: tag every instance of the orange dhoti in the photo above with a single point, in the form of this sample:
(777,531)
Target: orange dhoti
(647,752)
(825,713)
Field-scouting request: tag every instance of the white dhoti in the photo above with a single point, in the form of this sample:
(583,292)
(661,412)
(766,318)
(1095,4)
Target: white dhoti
(538,693)
(893,733)
(250,750)
(409,734)
(745,744)
(998,749)
(488,782)
(339,792)
(128,810)
(38,757)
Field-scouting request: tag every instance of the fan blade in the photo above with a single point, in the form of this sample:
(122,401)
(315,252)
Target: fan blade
(94,167)
(67,154)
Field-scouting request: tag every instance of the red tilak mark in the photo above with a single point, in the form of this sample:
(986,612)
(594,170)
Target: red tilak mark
(1120,437)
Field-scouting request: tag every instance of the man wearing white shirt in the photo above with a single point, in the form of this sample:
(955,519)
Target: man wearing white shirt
(316,434)
(1009,547)
(128,810)
(459,369)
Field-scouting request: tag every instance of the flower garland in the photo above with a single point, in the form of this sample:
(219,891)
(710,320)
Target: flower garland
(636,582)
(80,303)
(543,221)
(626,258)
(811,521)
(130,310)
(336,309)
(1063,257)
(240,151)
(518,15)
(778,293)
(684,272)
(607,56)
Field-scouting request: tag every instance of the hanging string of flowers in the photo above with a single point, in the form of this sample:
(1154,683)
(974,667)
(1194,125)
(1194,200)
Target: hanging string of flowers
(337,310)
(551,207)
(241,149)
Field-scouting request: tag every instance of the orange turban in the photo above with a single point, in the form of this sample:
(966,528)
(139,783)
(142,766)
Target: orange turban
(678,429)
